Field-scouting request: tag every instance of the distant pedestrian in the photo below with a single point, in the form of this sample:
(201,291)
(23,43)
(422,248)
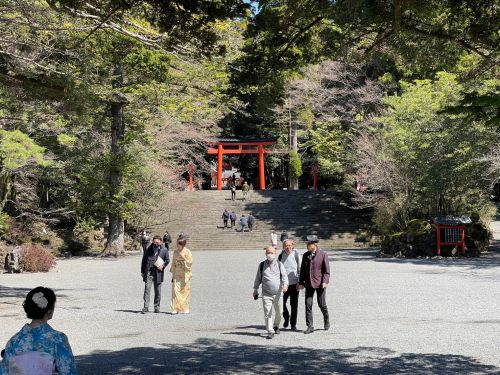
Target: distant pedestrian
(274,239)
(145,240)
(233,193)
(167,240)
(273,277)
(284,236)
(314,277)
(290,258)
(225,217)
(245,188)
(243,222)
(154,261)
(182,261)
(232,216)
(234,179)
(251,222)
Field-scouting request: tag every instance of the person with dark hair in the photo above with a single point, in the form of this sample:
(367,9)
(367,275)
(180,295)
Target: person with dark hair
(182,261)
(232,216)
(225,217)
(251,221)
(144,241)
(154,261)
(284,236)
(37,344)
(167,240)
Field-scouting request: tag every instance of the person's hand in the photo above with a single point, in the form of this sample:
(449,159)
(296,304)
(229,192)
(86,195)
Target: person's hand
(300,287)
(285,288)
(255,295)
(324,285)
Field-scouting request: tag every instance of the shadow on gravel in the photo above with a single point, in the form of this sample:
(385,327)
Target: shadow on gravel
(8,292)
(483,262)
(230,357)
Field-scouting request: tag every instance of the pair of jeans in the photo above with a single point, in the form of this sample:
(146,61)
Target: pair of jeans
(321,298)
(151,280)
(293,293)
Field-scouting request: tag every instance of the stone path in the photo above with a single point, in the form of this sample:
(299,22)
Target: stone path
(390,317)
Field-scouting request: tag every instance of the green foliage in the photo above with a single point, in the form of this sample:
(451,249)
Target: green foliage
(4,226)
(329,143)
(295,165)
(18,149)
(434,160)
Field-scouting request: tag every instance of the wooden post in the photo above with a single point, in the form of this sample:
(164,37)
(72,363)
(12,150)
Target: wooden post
(262,176)
(438,234)
(219,167)
(462,228)
(191,169)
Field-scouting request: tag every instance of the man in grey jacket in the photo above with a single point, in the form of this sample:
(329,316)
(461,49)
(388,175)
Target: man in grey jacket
(273,277)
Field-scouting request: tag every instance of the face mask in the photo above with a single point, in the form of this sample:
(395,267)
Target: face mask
(270,257)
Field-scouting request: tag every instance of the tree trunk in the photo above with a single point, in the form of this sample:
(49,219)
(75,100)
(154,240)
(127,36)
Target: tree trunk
(114,244)
(293,181)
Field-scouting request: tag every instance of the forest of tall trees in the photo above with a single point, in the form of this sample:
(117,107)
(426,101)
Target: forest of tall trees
(103,104)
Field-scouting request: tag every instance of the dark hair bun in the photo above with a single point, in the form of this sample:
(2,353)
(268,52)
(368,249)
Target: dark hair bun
(38,302)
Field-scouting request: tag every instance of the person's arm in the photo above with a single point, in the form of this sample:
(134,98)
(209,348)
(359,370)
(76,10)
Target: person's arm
(256,283)
(188,260)
(9,349)
(143,262)
(302,273)
(166,258)
(284,277)
(325,271)
(299,258)
(65,361)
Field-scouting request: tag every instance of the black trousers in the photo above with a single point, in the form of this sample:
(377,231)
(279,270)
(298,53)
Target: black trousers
(321,297)
(225,222)
(233,195)
(293,293)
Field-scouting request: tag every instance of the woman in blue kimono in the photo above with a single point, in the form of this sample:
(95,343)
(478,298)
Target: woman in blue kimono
(37,347)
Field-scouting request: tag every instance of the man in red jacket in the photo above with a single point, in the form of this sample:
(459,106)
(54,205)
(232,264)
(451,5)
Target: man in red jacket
(314,277)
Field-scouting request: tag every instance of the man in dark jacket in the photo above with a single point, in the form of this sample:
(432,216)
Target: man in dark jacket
(167,240)
(225,217)
(314,277)
(152,274)
(251,222)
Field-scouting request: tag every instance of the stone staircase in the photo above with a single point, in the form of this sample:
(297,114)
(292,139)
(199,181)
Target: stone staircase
(198,215)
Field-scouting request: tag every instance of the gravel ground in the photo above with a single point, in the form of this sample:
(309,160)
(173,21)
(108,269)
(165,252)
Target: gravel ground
(389,317)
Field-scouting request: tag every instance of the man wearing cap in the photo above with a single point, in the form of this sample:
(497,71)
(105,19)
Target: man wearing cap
(314,277)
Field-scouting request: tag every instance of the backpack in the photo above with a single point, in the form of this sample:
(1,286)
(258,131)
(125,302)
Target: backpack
(296,256)
(261,268)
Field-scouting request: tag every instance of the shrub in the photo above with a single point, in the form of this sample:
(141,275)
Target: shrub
(4,226)
(37,258)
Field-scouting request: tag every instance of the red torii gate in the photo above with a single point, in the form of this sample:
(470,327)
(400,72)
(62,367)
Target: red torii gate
(238,146)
